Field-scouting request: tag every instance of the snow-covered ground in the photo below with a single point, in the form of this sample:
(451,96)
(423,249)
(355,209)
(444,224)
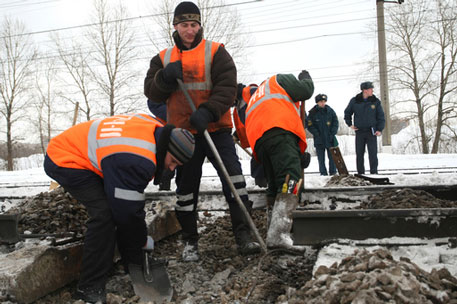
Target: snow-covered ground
(445,174)
(427,256)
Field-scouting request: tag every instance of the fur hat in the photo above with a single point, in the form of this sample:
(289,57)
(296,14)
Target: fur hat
(366,85)
(320,97)
(186,11)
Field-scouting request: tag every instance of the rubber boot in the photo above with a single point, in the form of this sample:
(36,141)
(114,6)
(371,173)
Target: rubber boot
(269,208)
(278,235)
(244,240)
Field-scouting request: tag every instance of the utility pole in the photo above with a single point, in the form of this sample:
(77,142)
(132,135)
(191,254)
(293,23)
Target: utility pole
(383,77)
(386,134)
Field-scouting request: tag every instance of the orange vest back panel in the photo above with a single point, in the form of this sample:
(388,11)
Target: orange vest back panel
(85,145)
(272,107)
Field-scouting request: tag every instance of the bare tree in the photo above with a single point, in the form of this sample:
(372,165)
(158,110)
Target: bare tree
(444,30)
(16,58)
(76,62)
(45,103)
(115,53)
(422,47)
(220,22)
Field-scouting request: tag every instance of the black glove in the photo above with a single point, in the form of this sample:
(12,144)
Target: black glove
(235,136)
(304,75)
(200,119)
(239,91)
(172,72)
(305,159)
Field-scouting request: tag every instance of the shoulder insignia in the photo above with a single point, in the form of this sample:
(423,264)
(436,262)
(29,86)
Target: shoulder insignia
(328,123)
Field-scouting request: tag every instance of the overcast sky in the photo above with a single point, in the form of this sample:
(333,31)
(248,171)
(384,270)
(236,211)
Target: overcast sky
(334,40)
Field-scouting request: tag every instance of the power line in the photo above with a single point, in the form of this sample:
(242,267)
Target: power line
(116,20)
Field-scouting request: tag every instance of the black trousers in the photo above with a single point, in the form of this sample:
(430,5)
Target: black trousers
(100,237)
(188,179)
(366,138)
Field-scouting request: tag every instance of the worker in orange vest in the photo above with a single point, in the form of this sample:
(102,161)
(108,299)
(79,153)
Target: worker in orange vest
(239,118)
(209,76)
(106,164)
(276,132)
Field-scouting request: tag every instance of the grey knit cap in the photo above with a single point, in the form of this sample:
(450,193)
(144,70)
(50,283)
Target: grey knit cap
(181,144)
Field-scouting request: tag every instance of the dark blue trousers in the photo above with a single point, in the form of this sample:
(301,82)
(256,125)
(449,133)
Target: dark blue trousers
(363,138)
(100,237)
(320,151)
(188,178)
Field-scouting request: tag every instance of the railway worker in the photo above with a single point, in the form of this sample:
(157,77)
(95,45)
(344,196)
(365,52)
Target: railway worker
(243,95)
(323,124)
(275,130)
(209,75)
(368,124)
(106,164)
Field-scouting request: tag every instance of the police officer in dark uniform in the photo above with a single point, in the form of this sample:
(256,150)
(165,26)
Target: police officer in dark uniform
(368,123)
(323,124)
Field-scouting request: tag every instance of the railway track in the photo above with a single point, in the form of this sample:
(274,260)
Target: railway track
(412,171)
(15,190)
(327,210)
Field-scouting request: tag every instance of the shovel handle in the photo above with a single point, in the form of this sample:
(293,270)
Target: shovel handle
(225,173)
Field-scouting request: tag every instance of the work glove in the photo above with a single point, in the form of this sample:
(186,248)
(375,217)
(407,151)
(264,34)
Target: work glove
(304,75)
(172,71)
(305,159)
(149,244)
(235,136)
(239,91)
(200,119)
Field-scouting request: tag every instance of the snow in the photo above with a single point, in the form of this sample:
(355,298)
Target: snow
(428,254)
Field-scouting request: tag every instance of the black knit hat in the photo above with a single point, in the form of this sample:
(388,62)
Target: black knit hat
(186,11)
(366,85)
(181,144)
(320,97)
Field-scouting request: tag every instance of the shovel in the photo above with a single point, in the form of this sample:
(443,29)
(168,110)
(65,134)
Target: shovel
(226,175)
(10,235)
(150,281)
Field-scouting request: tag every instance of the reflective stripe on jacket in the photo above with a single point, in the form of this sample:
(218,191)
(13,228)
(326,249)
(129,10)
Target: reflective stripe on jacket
(241,108)
(271,107)
(196,65)
(85,145)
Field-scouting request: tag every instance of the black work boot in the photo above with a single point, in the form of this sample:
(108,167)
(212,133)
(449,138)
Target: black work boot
(246,244)
(91,295)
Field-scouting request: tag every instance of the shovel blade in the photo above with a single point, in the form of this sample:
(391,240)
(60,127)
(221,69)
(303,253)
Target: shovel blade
(8,228)
(156,287)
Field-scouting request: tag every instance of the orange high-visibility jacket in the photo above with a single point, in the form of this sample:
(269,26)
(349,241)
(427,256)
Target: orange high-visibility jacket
(85,145)
(239,125)
(196,66)
(271,107)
